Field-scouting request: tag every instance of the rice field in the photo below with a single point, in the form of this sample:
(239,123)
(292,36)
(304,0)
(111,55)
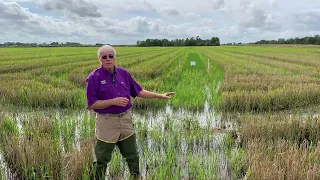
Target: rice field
(241,112)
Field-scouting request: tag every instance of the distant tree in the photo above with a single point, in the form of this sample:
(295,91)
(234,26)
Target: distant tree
(317,39)
(290,41)
(296,40)
(215,41)
(165,42)
(281,41)
(193,41)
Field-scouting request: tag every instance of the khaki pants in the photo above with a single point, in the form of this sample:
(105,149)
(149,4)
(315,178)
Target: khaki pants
(112,128)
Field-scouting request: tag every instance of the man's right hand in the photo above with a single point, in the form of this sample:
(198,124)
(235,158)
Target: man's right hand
(120,101)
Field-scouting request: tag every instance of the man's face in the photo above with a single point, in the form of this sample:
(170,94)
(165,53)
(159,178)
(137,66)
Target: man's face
(107,60)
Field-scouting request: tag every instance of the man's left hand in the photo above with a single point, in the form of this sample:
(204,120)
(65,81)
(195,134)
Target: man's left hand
(167,95)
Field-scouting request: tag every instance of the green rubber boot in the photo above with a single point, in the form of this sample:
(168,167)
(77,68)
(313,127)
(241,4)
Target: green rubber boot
(129,151)
(103,152)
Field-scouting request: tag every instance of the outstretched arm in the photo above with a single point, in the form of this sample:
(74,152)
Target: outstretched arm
(148,94)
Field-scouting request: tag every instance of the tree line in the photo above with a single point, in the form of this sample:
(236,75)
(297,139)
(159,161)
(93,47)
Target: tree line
(197,41)
(305,40)
(193,41)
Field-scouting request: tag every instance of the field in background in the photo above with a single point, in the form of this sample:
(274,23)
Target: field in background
(242,111)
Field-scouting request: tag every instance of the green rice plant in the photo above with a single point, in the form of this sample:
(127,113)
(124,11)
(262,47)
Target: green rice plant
(67,133)
(197,168)
(54,67)
(117,166)
(141,103)
(188,93)
(190,123)
(236,162)
(141,130)
(129,61)
(87,126)
(155,66)
(161,83)
(164,150)
(8,127)
(62,85)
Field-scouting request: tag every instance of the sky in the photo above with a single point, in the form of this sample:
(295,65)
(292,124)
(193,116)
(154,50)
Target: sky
(127,21)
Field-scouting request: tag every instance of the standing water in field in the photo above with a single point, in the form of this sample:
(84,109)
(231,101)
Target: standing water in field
(2,167)
(183,144)
(177,144)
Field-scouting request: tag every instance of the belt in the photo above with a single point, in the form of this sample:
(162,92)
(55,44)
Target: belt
(120,115)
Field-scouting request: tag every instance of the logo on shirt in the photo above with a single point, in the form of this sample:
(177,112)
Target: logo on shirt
(103,82)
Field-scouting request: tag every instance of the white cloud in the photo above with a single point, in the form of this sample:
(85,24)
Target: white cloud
(308,20)
(169,12)
(126,21)
(81,8)
(218,4)
(18,1)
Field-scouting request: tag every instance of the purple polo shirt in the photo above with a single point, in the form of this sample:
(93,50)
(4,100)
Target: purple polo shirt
(99,86)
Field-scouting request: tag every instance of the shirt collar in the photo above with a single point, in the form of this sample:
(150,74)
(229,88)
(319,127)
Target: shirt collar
(107,72)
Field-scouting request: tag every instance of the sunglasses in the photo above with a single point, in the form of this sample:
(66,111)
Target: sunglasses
(106,57)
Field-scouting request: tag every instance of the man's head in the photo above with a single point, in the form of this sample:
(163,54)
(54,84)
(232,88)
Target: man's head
(106,56)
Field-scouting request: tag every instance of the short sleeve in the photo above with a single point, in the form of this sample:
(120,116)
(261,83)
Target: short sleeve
(91,91)
(135,88)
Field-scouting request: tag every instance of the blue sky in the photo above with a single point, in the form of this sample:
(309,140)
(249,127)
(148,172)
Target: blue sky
(126,21)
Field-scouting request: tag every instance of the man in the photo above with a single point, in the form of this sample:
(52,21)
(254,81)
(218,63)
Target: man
(108,91)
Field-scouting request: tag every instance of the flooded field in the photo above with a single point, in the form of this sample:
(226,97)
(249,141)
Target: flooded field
(179,144)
